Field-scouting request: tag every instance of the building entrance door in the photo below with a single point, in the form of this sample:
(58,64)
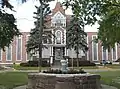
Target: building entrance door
(58,53)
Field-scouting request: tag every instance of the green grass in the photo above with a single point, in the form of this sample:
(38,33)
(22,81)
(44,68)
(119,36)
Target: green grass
(89,67)
(13,79)
(110,78)
(18,67)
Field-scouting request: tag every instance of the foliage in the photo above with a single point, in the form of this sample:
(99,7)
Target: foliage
(8,29)
(109,29)
(71,71)
(34,39)
(83,63)
(34,64)
(76,37)
(105,12)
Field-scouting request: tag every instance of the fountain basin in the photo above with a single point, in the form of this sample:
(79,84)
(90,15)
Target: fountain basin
(63,81)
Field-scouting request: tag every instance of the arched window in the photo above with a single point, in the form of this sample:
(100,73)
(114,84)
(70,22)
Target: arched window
(58,36)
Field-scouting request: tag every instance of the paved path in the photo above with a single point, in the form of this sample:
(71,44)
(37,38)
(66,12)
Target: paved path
(103,87)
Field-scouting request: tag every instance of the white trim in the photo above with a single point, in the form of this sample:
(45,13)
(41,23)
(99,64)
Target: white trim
(52,36)
(115,52)
(115,63)
(87,50)
(52,51)
(1,55)
(106,54)
(92,49)
(26,51)
(65,51)
(64,37)
(56,37)
(20,37)
(7,53)
(9,63)
(97,63)
(54,19)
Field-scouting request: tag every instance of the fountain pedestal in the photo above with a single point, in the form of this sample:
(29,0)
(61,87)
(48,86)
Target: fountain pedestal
(63,81)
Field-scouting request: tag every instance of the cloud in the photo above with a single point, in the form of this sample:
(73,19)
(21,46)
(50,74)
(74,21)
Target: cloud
(24,15)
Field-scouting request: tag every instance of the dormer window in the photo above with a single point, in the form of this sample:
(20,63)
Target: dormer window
(58,19)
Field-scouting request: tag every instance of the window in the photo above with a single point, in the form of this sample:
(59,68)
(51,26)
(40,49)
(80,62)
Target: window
(104,54)
(27,54)
(58,19)
(45,41)
(58,37)
(94,49)
(87,46)
(19,48)
(114,53)
(9,53)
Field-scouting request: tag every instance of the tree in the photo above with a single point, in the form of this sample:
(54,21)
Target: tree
(37,35)
(108,12)
(76,36)
(8,29)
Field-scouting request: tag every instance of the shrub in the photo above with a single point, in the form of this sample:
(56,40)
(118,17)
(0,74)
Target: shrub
(34,64)
(118,60)
(81,63)
(24,64)
(71,71)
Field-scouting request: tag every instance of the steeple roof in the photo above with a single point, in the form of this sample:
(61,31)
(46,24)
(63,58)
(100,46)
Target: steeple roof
(57,8)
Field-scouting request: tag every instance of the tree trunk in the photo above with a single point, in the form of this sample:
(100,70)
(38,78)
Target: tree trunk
(41,31)
(40,57)
(77,58)
(72,63)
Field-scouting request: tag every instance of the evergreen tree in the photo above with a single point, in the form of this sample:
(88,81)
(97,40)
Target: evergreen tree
(37,35)
(76,37)
(105,12)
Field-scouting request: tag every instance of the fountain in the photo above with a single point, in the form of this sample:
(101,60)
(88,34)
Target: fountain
(63,81)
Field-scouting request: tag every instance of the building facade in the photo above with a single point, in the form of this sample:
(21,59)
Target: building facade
(16,52)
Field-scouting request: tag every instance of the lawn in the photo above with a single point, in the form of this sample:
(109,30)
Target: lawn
(110,78)
(18,67)
(28,68)
(12,79)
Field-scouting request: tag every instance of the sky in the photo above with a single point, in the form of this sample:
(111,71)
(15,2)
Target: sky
(24,15)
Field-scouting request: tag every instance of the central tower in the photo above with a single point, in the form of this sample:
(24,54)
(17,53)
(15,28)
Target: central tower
(58,22)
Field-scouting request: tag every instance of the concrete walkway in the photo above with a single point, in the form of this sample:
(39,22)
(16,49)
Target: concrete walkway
(103,87)
(86,70)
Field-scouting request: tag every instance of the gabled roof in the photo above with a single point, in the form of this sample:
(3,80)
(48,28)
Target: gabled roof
(57,8)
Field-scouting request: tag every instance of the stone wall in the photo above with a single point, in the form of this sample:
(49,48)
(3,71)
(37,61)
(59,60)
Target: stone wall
(63,81)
